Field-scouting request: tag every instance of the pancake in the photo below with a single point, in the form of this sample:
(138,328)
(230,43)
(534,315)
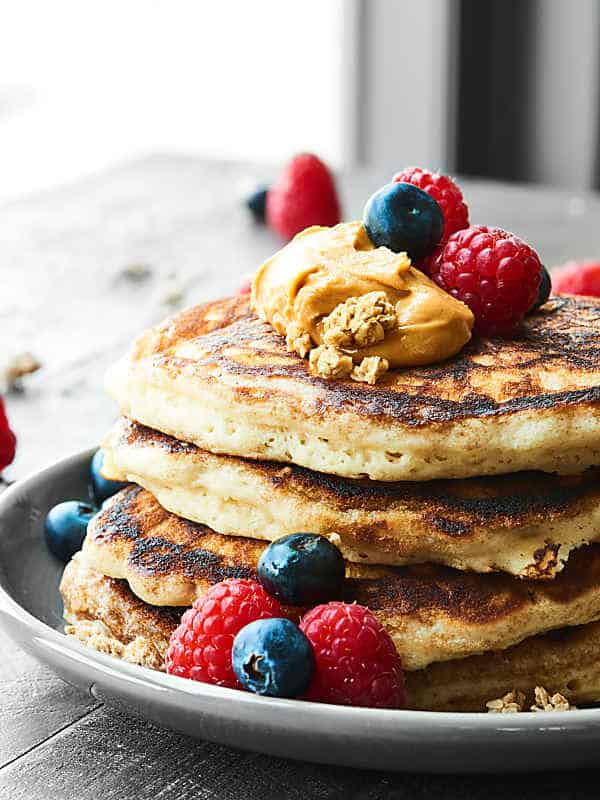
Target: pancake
(525,524)
(433,613)
(103,613)
(216,376)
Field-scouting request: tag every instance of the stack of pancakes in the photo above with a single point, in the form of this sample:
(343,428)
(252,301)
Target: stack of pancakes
(465,496)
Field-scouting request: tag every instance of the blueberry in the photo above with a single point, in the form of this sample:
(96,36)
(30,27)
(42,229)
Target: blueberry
(403,217)
(66,526)
(257,204)
(545,288)
(273,657)
(103,488)
(302,569)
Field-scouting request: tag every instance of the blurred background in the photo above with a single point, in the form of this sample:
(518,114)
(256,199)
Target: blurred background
(505,89)
(132,131)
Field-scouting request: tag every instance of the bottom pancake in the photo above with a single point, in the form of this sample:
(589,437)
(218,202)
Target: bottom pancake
(103,613)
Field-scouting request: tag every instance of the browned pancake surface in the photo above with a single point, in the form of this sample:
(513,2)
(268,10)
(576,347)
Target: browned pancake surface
(489,377)
(432,612)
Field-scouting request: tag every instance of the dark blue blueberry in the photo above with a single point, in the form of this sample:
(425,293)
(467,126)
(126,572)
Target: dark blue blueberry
(404,218)
(103,488)
(66,526)
(302,569)
(257,204)
(273,657)
(545,288)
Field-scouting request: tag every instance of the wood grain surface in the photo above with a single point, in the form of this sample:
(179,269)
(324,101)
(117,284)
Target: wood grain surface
(82,270)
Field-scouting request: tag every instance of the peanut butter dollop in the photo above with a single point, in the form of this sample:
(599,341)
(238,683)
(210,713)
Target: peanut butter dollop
(331,288)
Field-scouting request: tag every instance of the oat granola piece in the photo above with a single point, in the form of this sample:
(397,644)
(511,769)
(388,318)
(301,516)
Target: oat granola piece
(298,341)
(327,362)
(360,321)
(370,369)
(510,703)
(16,369)
(545,702)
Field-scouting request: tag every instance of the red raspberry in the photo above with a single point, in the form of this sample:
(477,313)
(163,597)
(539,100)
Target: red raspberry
(444,191)
(8,441)
(356,663)
(495,273)
(245,286)
(303,195)
(200,648)
(577,277)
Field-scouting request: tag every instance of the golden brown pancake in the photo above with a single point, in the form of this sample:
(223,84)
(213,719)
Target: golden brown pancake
(104,614)
(433,613)
(525,524)
(216,376)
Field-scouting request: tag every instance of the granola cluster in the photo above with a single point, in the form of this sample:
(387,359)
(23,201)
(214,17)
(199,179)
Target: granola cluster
(514,702)
(358,322)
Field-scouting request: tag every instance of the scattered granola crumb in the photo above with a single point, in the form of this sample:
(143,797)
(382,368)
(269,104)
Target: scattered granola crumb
(327,362)
(370,369)
(136,272)
(16,369)
(510,703)
(360,321)
(545,702)
(172,295)
(298,341)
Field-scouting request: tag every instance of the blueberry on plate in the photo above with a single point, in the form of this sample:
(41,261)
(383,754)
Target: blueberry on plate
(257,204)
(545,288)
(66,526)
(103,487)
(273,657)
(302,569)
(404,218)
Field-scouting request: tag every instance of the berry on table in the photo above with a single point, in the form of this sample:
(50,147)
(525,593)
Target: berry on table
(444,191)
(577,277)
(103,487)
(245,286)
(257,203)
(274,658)
(403,218)
(302,569)
(200,648)
(544,289)
(303,195)
(66,526)
(494,272)
(8,441)
(356,662)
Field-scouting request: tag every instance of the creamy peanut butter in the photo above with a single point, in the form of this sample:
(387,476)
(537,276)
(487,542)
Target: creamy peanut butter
(331,287)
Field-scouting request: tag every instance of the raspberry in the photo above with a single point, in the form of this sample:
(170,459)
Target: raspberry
(245,286)
(303,195)
(200,648)
(356,662)
(496,274)
(577,277)
(8,441)
(444,191)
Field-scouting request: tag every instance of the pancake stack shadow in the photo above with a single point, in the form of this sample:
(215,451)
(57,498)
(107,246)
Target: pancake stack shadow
(464,497)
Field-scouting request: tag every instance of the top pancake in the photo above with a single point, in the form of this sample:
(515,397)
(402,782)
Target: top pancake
(215,375)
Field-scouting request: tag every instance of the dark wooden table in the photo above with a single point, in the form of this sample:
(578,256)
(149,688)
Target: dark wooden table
(82,270)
